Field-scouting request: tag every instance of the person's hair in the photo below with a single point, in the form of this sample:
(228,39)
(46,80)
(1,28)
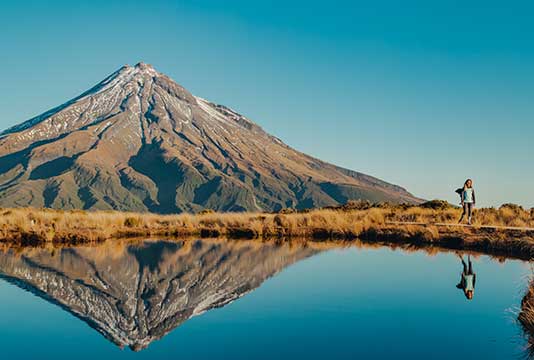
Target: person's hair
(468,294)
(466,181)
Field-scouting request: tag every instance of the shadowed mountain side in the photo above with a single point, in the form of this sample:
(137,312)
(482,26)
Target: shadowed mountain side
(134,294)
(138,141)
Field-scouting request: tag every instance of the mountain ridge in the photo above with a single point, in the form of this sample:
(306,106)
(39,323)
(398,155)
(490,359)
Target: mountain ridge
(139,141)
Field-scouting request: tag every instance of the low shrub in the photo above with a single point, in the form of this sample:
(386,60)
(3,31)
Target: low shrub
(357,205)
(287,211)
(132,222)
(436,205)
(512,207)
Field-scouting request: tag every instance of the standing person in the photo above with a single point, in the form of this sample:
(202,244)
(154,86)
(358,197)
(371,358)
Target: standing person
(468,200)
(468,279)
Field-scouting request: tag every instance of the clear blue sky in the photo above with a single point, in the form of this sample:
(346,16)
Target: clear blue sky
(419,93)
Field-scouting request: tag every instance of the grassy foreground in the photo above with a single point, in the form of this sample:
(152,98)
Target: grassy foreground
(372,222)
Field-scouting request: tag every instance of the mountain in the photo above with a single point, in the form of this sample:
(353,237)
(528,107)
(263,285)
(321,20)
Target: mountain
(134,294)
(139,141)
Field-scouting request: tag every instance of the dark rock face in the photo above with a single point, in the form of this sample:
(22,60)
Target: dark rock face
(138,141)
(134,294)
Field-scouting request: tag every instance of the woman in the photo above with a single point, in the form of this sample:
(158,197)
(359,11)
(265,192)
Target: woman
(468,200)
(468,279)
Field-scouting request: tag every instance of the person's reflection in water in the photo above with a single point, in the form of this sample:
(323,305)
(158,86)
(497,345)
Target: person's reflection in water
(468,280)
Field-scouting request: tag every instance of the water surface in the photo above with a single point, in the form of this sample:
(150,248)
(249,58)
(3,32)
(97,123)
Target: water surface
(247,299)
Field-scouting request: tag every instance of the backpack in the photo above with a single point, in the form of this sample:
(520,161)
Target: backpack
(459,191)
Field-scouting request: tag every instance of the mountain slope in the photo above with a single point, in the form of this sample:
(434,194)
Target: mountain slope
(139,141)
(135,294)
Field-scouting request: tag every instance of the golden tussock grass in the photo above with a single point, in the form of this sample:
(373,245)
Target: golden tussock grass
(354,220)
(526,318)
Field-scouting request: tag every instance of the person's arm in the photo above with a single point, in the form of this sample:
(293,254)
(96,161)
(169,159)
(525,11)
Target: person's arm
(474,197)
(474,280)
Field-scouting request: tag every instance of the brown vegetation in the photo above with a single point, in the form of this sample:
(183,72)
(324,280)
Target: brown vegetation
(359,219)
(526,318)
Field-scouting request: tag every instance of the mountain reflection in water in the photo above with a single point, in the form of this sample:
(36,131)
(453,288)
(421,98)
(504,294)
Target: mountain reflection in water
(135,293)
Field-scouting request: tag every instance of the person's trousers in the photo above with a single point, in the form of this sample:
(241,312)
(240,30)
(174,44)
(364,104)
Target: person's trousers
(468,210)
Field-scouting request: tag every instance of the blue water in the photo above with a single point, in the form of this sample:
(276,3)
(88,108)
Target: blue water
(338,304)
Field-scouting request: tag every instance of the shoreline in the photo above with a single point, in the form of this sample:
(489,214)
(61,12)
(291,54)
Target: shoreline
(525,317)
(507,231)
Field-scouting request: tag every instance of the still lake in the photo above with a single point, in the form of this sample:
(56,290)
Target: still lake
(207,299)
